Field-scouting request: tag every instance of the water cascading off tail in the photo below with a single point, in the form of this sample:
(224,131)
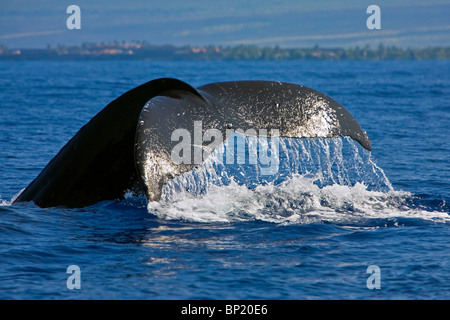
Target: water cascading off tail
(310,180)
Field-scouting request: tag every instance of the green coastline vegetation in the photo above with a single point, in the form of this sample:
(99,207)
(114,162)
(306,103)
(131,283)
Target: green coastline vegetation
(142,50)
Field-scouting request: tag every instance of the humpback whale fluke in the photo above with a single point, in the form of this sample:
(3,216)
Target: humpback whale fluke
(128,144)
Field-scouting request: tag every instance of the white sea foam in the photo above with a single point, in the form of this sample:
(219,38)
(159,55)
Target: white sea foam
(4,203)
(320,180)
(296,200)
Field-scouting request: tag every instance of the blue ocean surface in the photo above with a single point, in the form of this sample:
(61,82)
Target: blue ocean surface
(312,232)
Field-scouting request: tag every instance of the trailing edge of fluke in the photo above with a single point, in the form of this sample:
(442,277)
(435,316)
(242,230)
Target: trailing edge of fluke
(127,145)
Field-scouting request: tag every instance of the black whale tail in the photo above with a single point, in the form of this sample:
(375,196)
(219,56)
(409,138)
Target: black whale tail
(98,162)
(127,145)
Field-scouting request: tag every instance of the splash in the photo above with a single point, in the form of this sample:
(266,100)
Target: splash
(5,203)
(317,180)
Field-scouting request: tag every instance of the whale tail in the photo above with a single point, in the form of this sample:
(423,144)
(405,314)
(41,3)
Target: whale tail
(98,162)
(128,144)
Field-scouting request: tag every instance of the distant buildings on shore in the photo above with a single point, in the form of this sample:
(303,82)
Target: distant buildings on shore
(147,51)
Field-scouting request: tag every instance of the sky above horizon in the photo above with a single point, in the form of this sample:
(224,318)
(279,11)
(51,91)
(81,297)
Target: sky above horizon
(286,23)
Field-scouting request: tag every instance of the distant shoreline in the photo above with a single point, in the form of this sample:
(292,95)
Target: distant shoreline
(146,51)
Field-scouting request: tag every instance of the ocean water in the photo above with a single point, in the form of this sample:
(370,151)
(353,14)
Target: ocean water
(224,232)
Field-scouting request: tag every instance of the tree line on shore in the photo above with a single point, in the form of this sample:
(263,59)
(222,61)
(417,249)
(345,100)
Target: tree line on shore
(144,50)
